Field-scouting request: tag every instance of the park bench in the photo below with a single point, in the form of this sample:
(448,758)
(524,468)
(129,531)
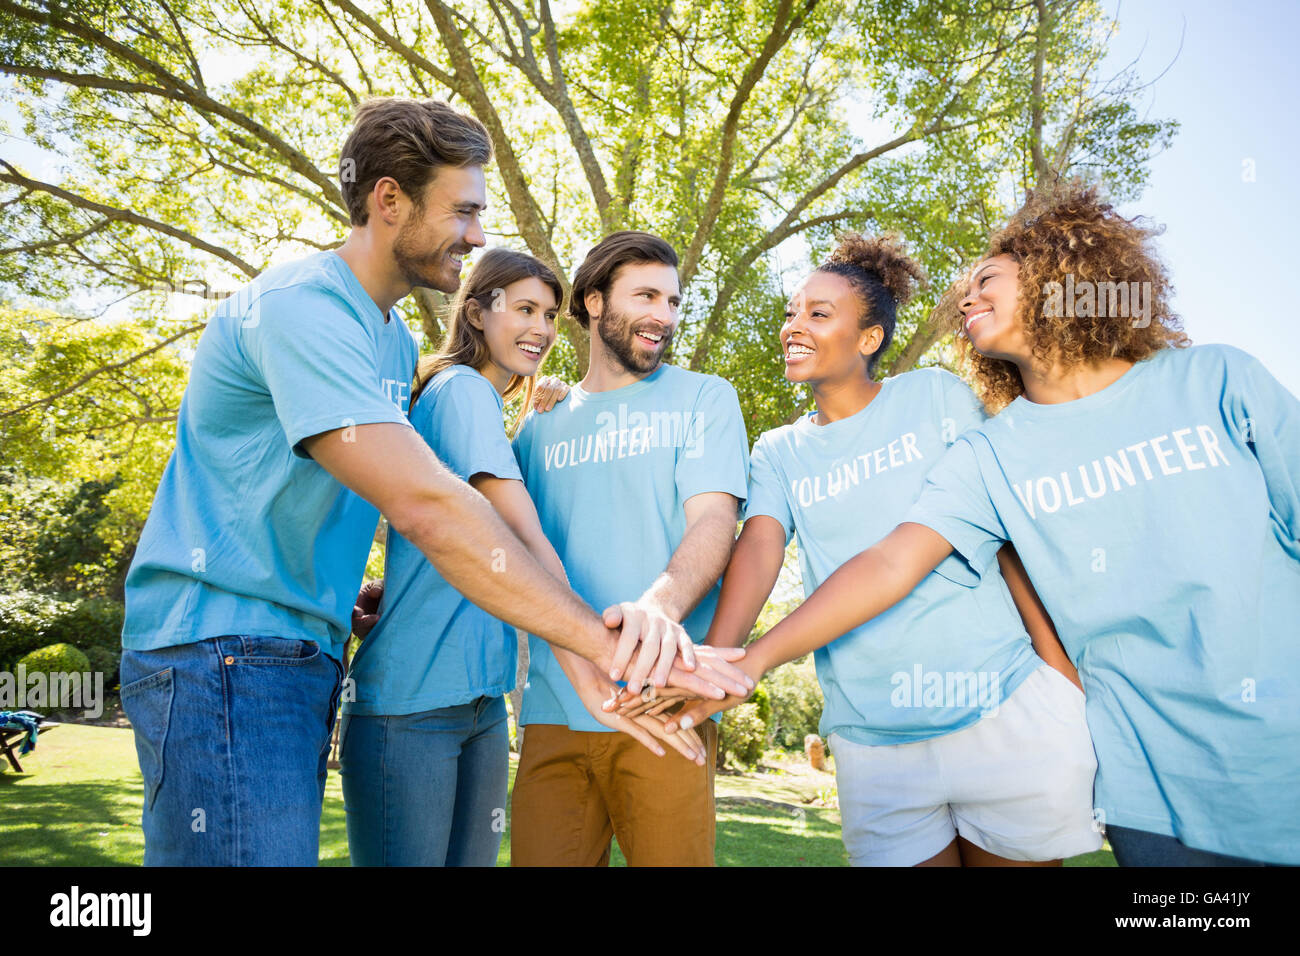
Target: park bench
(12,735)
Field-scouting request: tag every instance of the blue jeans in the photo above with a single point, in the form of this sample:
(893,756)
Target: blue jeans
(427,789)
(232,734)
(1140,848)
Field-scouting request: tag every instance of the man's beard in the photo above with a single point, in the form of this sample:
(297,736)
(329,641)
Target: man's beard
(615,330)
(417,269)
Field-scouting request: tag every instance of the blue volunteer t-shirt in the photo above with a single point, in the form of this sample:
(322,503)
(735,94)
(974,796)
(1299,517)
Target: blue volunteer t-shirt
(953,649)
(431,647)
(1158,519)
(248,535)
(610,473)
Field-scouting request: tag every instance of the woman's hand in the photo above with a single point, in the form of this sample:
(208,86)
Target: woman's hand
(547,390)
(365,613)
(693,714)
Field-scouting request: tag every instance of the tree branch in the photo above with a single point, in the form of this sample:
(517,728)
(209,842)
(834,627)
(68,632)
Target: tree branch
(124,215)
(195,97)
(189,330)
(527,212)
(782,30)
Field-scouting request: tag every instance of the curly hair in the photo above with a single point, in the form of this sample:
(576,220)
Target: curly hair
(1068,237)
(882,274)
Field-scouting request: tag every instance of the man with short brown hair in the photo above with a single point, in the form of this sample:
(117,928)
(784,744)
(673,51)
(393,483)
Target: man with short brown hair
(636,474)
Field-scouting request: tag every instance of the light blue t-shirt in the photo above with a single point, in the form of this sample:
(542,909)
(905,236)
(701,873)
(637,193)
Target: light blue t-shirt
(610,473)
(248,535)
(952,650)
(431,647)
(1159,521)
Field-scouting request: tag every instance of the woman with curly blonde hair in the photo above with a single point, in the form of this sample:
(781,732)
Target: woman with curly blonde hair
(954,743)
(1152,491)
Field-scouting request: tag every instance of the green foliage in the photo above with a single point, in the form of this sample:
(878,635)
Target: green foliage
(105,661)
(762,700)
(77,474)
(742,736)
(56,658)
(197,143)
(89,622)
(29,621)
(23,619)
(796,702)
(60,537)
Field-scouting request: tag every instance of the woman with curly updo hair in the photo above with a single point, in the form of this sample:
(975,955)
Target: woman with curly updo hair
(1152,491)
(954,743)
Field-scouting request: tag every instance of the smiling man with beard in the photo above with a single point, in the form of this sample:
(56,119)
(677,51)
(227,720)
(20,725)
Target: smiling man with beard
(636,474)
(292,438)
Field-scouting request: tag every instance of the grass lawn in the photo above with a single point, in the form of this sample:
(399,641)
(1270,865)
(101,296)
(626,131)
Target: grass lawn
(79,805)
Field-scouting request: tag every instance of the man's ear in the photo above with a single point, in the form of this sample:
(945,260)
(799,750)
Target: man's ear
(385,200)
(595,303)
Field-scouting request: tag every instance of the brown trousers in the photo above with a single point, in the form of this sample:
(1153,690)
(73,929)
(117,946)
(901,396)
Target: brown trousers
(575,789)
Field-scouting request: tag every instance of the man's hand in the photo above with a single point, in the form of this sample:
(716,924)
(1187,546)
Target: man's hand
(365,613)
(700,672)
(594,690)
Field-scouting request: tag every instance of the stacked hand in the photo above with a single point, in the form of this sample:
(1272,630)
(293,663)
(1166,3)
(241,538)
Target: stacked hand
(695,709)
(669,658)
(668,667)
(595,690)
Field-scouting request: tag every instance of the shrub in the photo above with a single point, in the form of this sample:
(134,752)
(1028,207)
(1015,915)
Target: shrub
(57,658)
(742,735)
(796,703)
(90,622)
(30,620)
(24,617)
(104,661)
(763,701)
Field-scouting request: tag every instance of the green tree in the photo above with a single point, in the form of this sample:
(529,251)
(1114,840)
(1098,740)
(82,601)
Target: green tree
(87,428)
(201,138)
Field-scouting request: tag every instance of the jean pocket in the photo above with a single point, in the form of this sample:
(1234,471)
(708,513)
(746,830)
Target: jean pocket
(275,651)
(147,703)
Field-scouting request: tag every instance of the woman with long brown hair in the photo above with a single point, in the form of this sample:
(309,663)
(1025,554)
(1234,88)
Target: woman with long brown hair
(425,745)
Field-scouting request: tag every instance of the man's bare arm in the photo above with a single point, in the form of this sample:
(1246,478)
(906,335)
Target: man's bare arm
(390,466)
(694,567)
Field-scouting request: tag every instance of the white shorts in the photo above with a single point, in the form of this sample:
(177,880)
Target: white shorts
(1017,783)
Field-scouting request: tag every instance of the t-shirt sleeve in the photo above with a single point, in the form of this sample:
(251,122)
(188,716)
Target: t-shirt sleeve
(961,409)
(522,442)
(715,453)
(1267,416)
(955,502)
(464,428)
(766,490)
(317,361)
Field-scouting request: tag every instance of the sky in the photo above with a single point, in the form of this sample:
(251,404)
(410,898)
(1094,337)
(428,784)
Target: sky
(1224,191)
